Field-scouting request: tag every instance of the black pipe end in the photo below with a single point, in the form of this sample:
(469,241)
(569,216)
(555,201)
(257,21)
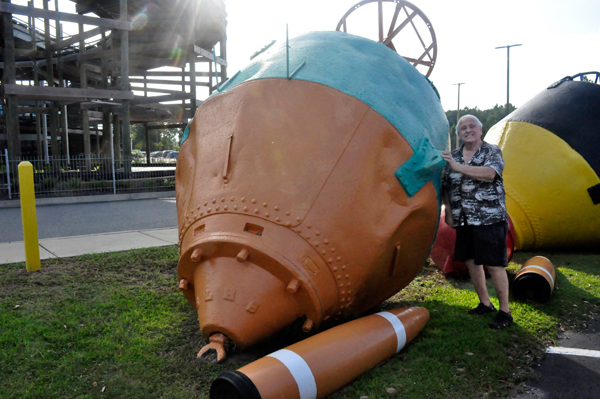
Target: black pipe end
(532,286)
(233,385)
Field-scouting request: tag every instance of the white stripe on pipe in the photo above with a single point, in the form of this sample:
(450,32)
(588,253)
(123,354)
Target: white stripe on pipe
(573,351)
(540,268)
(300,371)
(398,327)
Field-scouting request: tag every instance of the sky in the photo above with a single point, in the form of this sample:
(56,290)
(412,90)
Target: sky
(558,38)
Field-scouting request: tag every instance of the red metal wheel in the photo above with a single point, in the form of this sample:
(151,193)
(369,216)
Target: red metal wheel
(418,46)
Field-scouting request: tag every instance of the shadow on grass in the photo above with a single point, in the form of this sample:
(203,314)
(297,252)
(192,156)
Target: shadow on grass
(576,293)
(456,355)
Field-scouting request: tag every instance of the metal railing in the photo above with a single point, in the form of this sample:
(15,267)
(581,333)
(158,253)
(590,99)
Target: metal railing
(88,176)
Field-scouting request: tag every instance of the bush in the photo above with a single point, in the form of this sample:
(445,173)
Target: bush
(147,183)
(47,183)
(74,183)
(123,184)
(99,184)
(169,183)
(137,155)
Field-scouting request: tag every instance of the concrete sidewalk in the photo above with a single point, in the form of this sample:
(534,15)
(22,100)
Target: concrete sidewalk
(63,247)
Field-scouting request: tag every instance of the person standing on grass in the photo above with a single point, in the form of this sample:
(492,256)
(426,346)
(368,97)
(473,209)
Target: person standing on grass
(474,198)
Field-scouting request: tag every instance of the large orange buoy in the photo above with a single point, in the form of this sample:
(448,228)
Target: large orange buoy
(322,364)
(307,198)
(535,280)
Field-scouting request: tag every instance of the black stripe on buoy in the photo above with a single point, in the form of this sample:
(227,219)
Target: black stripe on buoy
(571,110)
(233,385)
(595,194)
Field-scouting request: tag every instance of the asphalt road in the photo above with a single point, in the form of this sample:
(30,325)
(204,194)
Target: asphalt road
(91,218)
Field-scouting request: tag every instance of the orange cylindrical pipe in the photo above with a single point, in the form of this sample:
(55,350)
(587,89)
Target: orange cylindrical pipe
(535,280)
(320,365)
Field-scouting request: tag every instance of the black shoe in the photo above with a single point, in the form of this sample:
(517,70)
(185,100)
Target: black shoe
(501,321)
(482,309)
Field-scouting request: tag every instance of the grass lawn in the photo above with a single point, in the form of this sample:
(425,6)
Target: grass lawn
(116,326)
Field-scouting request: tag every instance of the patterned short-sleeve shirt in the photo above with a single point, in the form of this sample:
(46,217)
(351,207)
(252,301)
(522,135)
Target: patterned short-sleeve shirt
(476,202)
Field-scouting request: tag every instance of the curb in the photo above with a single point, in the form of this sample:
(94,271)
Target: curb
(90,199)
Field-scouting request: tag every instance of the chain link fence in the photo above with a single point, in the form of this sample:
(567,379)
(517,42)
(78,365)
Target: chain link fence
(89,176)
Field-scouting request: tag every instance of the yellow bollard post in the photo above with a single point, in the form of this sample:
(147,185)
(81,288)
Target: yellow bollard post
(29,217)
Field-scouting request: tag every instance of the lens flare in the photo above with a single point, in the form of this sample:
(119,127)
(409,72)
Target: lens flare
(179,116)
(140,20)
(176,52)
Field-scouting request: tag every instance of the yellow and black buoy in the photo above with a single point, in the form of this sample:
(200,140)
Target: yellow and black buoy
(551,147)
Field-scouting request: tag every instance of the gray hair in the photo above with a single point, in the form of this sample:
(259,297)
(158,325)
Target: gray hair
(467,116)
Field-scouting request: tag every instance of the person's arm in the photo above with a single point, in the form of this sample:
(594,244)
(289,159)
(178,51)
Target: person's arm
(484,173)
(447,210)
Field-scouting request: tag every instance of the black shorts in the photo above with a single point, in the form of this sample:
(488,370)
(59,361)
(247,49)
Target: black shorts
(485,244)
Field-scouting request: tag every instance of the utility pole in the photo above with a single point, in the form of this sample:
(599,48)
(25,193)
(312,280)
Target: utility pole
(508,72)
(457,111)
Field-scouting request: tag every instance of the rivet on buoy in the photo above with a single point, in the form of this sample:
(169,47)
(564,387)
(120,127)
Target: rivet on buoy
(183,284)
(293,286)
(242,255)
(196,255)
(308,325)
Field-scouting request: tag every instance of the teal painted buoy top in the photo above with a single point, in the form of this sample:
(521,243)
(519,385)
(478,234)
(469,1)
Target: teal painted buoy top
(375,75)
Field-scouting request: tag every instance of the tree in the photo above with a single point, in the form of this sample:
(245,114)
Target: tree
(488,117)
(164,139)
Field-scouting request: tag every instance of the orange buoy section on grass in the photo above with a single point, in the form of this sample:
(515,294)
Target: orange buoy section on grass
(535,280)
(322,364)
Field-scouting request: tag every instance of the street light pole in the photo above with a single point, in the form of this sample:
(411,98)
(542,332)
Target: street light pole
(508,72)
(457,111)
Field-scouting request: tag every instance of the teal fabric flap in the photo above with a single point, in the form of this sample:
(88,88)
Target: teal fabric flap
(421,168)
(186,133)
(364,69)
